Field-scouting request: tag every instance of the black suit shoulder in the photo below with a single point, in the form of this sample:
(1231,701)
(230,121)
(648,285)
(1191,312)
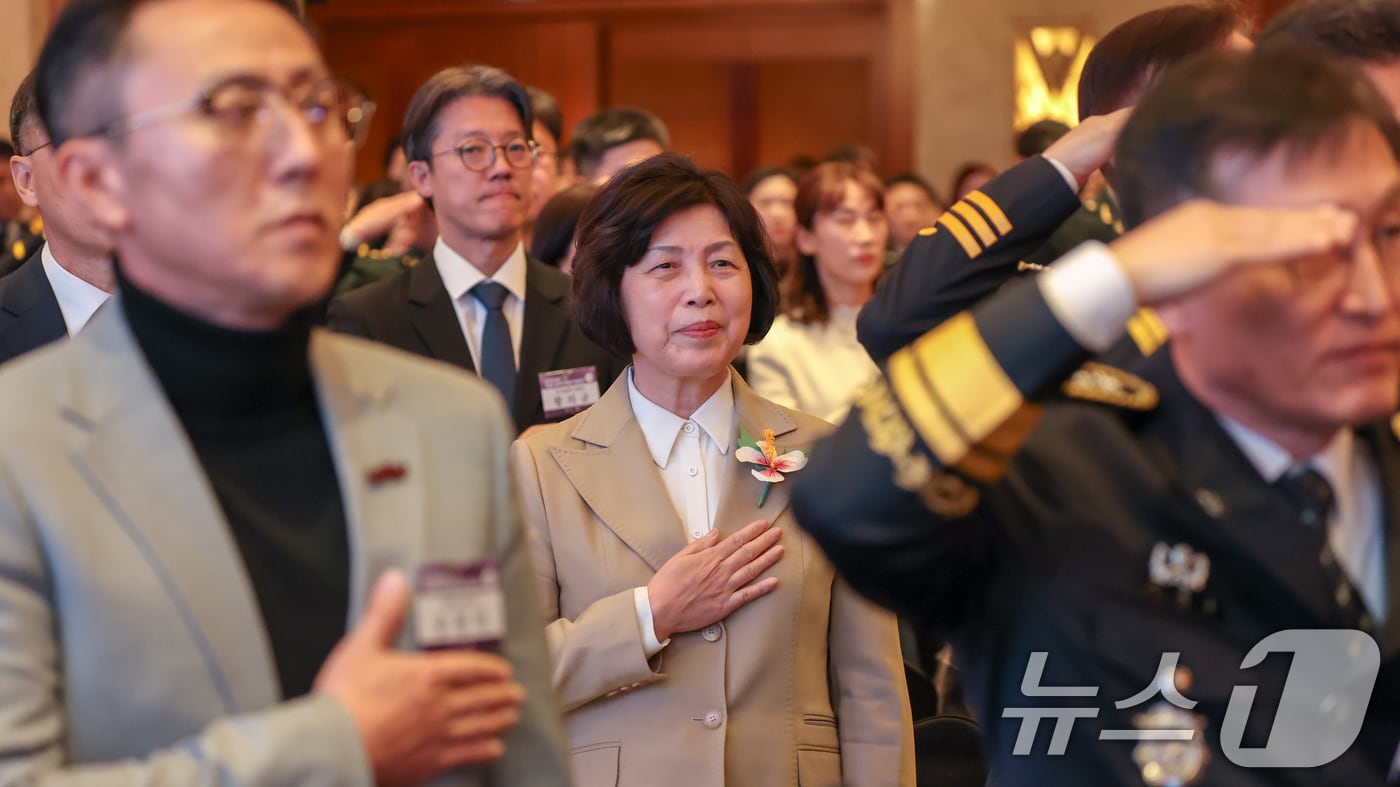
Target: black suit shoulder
(364,310)
(29,313)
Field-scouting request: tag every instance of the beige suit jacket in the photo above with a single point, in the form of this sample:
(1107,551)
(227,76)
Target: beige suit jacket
(132,650)
(804,686)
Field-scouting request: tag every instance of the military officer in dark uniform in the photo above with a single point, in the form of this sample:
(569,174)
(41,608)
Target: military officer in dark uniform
(1031,215)
(1112,554)
(979,244)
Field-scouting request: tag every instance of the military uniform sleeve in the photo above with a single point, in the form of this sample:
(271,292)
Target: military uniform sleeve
(894,497)
(973,249)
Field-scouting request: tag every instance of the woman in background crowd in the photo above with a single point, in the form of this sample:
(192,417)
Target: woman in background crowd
(811,360)
(698,636)
(772,191)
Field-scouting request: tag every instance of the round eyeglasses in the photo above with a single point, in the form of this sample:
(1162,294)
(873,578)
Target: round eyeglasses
(479,155)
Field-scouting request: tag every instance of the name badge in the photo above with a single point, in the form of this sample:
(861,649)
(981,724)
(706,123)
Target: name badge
(459,606)
(569,391)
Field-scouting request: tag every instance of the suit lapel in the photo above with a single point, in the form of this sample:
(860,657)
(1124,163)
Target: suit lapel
(164,502)
(434,318)
(738,500)
(618,480)
(546,321)
(1382,443)
(34,318)
(379,462)
(1228,511)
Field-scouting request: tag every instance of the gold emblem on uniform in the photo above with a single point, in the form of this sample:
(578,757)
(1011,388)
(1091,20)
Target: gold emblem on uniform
(1097,382)
(1395,424)
(948,495)
(1166,760)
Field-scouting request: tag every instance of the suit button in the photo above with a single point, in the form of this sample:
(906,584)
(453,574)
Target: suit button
(713,720)
(712,633)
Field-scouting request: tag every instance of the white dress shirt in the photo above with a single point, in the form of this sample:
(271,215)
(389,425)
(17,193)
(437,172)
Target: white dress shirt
(690,454)
(1092,298)
(1354,529)
(459,276)
(77,299)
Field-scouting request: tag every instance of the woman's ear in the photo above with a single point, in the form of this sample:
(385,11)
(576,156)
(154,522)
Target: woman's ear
(806,241)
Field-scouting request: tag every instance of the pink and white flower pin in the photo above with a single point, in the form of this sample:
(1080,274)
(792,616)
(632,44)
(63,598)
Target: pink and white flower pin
(765,455)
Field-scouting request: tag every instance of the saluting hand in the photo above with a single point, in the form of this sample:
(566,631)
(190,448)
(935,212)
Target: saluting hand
(1201,240)
(1088,146)
(710,578)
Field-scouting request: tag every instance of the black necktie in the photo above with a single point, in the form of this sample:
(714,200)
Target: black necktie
(1311,493)
(497,353)
(1314,498)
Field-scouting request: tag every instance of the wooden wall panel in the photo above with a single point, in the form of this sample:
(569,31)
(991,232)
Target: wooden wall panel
(691,97)
(392,58)
(812,80)
(730,77)
(810,107)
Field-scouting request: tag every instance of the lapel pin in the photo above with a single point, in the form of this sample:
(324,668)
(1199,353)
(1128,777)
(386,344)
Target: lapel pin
(1211,503)
(389,471)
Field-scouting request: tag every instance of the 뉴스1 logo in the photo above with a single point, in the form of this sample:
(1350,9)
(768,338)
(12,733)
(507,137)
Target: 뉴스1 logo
(1320,711)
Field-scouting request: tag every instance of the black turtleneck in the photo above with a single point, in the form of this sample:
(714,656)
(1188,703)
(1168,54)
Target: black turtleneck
(247,402)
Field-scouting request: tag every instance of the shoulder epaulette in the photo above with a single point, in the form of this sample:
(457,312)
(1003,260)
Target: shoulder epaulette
(1104,384)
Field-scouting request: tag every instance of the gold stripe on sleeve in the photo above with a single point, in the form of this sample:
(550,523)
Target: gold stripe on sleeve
(964,406)
(993,212)
(1148,331)
(955,226)
(978,224)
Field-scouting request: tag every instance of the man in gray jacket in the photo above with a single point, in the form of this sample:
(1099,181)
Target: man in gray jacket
(212,516)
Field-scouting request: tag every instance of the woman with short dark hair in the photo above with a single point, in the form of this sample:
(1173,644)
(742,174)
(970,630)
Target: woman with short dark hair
(698,636)
(811,360)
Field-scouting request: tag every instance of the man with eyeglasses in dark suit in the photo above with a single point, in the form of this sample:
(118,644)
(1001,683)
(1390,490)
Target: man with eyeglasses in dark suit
(479,301)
